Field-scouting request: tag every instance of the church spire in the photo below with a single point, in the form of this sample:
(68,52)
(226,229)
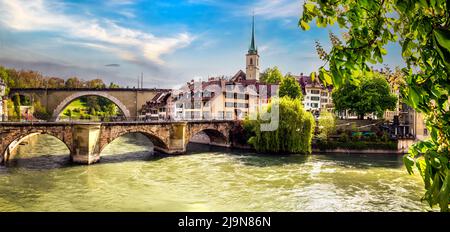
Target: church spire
(252,49)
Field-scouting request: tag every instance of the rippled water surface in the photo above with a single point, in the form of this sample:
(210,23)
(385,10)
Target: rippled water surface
(129,178)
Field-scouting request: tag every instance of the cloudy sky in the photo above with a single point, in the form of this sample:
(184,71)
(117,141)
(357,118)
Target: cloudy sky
(169,41)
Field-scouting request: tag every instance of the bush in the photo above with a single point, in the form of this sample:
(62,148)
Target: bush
(327,124)
(343,138)
(40,112)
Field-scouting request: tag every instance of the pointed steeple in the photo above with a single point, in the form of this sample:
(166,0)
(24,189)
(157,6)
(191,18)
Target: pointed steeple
(252,49)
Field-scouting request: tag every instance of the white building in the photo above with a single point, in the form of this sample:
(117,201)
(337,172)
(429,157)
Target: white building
(316,97)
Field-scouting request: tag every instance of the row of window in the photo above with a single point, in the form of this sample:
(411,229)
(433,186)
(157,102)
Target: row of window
(316,91)
(236,95)
(236,104)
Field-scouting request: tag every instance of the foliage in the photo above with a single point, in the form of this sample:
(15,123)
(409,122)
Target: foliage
(31,79)
(357,145)
(113,85)
(16,100)
(371,95)
(68,113)
(294,133)
(271,76)
(326,124)
(74,82)
(39,111)
(422,28)
(4,76)
(290,87)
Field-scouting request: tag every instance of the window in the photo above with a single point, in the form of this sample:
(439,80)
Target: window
(206,104)
(324,100)
(229,104)
(315,98)
(197,105)
(229,95)
(324,94)
(197,115)
(179,105)
(315,105)
(240,96)
(425,131)
(315,91)
(228,115)
(162,110)
(206,115)
(251,61)
(187,105)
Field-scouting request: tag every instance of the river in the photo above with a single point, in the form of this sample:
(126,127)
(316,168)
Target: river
(129,178)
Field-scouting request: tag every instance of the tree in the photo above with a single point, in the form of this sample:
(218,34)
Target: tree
(422,29)
(113,86)
(95,83)
(271,76)
(17,106)
(290,87)
(294,132)
(4,76)
(326,124)
(73,82)
(371,95)
(39,111)
(55,82)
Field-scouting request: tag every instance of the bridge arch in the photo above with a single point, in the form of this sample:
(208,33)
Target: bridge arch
(64,103)
(158,144)
(219,134)
(10,144)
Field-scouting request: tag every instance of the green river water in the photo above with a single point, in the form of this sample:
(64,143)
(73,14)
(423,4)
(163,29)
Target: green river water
(129,178)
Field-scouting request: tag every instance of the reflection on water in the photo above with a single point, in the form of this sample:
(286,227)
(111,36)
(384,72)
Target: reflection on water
(130,178)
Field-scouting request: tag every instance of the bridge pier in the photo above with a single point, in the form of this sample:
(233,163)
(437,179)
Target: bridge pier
(86,143)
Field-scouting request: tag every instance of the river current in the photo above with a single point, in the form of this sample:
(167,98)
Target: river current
(130,178)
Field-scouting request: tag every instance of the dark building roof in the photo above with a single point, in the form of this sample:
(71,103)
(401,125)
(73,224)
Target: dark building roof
(306,81)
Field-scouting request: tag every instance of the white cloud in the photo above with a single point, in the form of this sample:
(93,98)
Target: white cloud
(98,33)
(278,8)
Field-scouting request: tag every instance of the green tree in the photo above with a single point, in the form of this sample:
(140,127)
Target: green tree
(422,29)
(271,76)
(39,111)
(16,101)
(290,87)
(294,133)
(113,86)
(68,113)
(73,82)
(95,83)
(326,124)
(371,95)
(4,76)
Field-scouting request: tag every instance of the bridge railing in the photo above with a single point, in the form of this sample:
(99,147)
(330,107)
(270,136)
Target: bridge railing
(109,119)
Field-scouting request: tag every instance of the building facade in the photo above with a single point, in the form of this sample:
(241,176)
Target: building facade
(316,97)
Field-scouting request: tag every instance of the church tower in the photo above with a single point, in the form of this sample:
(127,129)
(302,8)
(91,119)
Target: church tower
(252,57)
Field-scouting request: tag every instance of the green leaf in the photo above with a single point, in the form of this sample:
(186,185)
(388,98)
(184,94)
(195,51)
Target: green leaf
(327,77)
(313,76)
(414,97)
(309,7)
(444,193)
(409,163)
(304,25)
(443,38)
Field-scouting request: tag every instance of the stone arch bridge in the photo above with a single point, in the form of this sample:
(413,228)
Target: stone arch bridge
(85,141)
(55,100)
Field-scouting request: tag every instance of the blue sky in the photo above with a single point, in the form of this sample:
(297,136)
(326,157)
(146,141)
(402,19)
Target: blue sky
(171,42)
